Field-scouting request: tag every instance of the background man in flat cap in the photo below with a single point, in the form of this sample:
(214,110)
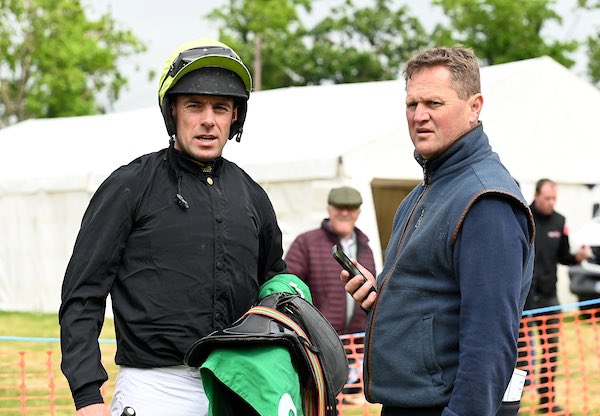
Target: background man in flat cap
(309,257)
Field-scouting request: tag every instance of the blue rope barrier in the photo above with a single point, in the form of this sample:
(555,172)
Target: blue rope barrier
(34,339)
(526,313)
(557,308)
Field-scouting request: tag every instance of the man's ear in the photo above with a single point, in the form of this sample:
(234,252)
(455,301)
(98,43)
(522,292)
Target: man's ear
(235,114)
(475,104)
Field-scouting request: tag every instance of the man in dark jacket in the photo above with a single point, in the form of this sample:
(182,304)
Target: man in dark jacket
(181,239)
(442,332)
(551,247)
(309,257)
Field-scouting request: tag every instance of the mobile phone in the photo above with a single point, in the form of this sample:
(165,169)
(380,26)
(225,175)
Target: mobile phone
(347,264)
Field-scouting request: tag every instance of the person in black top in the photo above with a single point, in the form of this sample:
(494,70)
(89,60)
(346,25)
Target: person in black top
(551,247)
(181,239)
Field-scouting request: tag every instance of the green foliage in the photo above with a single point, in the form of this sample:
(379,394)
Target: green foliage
(503,30)
(593,44)
(350,45)
(276,24)
(589,4)
(364,44)
(55,61)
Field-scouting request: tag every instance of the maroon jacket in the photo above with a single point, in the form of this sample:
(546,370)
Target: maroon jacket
(309,258)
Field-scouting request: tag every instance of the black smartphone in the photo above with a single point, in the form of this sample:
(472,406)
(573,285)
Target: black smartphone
(347,264)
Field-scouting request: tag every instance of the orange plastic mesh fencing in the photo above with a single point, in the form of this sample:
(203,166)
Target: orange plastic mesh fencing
(561,354)
(32,384)
(560,351)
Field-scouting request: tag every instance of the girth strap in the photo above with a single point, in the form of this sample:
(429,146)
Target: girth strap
(309,398)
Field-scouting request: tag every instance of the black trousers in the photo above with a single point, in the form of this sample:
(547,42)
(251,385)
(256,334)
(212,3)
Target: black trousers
(507,409)
(399,411)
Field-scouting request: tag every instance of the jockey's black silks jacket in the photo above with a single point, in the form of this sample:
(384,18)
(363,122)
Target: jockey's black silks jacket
(174,274)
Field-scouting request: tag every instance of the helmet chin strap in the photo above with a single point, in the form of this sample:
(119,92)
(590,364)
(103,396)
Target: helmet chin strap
(237,135)
(237,124)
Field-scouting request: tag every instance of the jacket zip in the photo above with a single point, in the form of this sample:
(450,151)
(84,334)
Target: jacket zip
(367,354)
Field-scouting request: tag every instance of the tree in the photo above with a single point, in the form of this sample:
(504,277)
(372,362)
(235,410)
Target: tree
(503,30)
(55,62)
(351,44)
(593,44)
(364,44)
(267,33)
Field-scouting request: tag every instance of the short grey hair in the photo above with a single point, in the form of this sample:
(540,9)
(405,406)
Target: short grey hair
(460,61)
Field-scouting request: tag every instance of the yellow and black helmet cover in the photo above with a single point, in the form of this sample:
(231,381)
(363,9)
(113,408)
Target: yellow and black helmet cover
(206,67)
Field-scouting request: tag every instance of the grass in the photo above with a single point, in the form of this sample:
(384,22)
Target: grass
(577,382)
(371,410)
(30,379)
(31,382)
(41,360)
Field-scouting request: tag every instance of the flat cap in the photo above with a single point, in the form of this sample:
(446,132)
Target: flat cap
(344,197)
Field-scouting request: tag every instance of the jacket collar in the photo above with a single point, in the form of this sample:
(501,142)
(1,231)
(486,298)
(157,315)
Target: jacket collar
(195,167)
(470,147)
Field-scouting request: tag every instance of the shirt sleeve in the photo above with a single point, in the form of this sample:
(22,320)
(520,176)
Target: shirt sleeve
(490,258)
(87,282)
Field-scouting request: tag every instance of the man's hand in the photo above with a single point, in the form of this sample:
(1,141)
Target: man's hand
(584,253)
(355,287)
(97,409)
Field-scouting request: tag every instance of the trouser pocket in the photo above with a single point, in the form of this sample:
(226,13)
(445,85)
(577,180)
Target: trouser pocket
(509,409)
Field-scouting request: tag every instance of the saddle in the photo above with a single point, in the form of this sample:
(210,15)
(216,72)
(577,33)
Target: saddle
(290,321)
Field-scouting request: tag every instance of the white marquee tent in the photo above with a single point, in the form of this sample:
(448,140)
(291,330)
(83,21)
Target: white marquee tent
(298,143)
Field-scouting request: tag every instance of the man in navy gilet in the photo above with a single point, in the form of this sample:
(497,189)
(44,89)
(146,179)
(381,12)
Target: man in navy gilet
(443,326)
